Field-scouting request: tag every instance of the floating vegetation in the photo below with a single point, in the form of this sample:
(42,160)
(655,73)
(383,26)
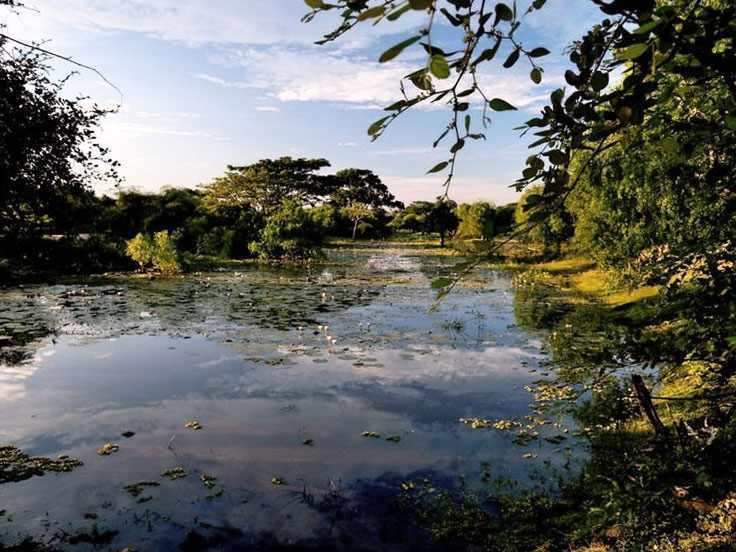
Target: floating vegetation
(209,481)
(308,442)
(174,473)
(193,424)
(371,434)
(481,423)
(277,481)
(15,465)
(107,449)
(137,489)
(127,434)
(393,439)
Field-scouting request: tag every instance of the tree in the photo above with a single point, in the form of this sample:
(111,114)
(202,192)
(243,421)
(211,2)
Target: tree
(442,218)
(477,220)
(357,212)
(49,154)
(547,230)
(265,185)
(361,186)
(413,217)
(426,217)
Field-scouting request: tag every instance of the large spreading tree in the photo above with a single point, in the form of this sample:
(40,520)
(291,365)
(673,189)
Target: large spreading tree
(267,184)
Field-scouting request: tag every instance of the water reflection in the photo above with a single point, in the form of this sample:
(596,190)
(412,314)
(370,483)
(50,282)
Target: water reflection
(285,370)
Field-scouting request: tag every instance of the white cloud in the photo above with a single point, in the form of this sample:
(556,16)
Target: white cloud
(351,79)
(267,109)
(225,83)
(200,21)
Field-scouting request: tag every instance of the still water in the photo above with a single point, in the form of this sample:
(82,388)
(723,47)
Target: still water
(318,391)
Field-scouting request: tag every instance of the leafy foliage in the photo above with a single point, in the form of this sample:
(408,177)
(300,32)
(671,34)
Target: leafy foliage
(158,252)
(265,185)
(477,220)
(289,233)
(49,153)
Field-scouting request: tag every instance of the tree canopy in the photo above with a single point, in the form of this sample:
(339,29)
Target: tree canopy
(266,184)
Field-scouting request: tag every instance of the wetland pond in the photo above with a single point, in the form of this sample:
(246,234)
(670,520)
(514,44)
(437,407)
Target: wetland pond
(258,407)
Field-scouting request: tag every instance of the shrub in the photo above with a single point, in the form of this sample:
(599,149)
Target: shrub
(140,249)
(158,252)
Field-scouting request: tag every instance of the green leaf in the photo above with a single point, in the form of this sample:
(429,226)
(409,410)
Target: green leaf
(599,81)
(394,15)
(646,28)
(457,146)
(438,283)
(488,54)
(420,4)
(371,13)
(421,80)
(557,157)
(512,59)
(438,167)
(503,12)
(438,66)
(536,76)
(396,49)
(497,104)
(633,51)
(538,52)
(314,4)
(467,123)
(376,127)
(730,121)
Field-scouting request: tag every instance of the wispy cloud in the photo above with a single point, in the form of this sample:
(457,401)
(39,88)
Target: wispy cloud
(267,109)
(226,83)
(357,80)
(197,21)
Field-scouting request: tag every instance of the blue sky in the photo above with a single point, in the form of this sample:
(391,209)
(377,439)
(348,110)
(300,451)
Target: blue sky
(208,83)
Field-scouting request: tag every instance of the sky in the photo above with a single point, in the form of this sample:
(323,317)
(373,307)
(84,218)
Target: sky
(207,83)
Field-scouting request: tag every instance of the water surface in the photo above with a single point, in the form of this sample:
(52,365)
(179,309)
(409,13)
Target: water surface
(284,369)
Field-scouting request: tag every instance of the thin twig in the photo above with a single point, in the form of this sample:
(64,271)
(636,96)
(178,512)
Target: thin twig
(68,59)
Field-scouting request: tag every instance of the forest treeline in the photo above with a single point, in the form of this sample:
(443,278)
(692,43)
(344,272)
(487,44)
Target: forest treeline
(274,209)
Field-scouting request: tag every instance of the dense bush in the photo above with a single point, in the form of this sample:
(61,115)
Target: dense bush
(289,233)
(158,252)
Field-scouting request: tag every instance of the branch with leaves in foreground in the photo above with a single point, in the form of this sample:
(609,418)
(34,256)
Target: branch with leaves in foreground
(643,40)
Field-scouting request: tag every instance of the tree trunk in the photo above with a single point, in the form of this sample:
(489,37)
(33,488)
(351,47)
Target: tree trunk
(355,228)
(442,239)
(646,405)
